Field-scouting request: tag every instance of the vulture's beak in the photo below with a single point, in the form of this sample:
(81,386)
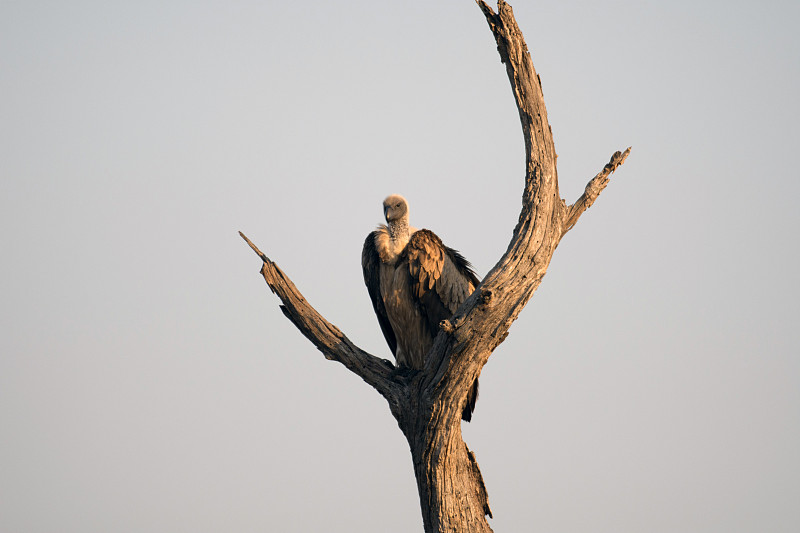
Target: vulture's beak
(386,212)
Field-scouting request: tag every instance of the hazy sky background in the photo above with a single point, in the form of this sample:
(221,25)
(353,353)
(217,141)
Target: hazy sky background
(149,382)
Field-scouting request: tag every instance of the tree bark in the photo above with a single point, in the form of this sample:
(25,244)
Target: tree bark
(428,403)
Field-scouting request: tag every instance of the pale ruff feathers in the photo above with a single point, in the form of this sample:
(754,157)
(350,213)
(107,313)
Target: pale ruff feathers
(406,321)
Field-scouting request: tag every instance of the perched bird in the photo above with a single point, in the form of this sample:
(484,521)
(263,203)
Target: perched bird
(414,282)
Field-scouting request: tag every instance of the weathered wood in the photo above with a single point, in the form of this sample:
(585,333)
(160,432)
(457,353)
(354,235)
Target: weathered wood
(428,403)
(329,339)
(593,189)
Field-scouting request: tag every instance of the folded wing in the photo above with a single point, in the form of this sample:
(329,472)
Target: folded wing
(371,264)
(441,279)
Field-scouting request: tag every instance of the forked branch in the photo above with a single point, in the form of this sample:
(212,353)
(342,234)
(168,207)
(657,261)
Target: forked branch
(428,407)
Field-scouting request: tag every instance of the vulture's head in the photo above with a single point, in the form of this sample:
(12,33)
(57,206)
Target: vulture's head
(395,208)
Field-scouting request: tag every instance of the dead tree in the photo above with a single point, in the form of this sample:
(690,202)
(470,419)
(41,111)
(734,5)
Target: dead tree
(426,403)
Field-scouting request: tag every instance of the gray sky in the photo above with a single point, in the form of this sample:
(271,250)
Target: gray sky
(148,381)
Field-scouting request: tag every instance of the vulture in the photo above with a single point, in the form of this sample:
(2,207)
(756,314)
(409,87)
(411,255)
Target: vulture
(414,282)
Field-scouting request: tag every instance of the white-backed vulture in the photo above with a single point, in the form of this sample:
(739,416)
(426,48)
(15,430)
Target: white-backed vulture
(414,282)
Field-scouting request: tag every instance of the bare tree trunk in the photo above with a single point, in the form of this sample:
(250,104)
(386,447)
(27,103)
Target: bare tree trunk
(428,404)
(452,494)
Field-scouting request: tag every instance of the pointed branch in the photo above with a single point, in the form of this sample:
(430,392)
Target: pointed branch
(527,89)
(483,321)
(593,190)
(328,339)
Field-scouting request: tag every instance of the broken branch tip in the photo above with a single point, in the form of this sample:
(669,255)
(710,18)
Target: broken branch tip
(255,248)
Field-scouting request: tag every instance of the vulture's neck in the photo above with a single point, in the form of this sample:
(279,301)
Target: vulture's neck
(392,239)
(399,231)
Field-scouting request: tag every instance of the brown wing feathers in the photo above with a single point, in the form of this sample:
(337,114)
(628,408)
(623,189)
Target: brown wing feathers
(425,255)
(441,279)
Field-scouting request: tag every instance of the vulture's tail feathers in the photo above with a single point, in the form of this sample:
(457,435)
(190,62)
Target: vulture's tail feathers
(472,398)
